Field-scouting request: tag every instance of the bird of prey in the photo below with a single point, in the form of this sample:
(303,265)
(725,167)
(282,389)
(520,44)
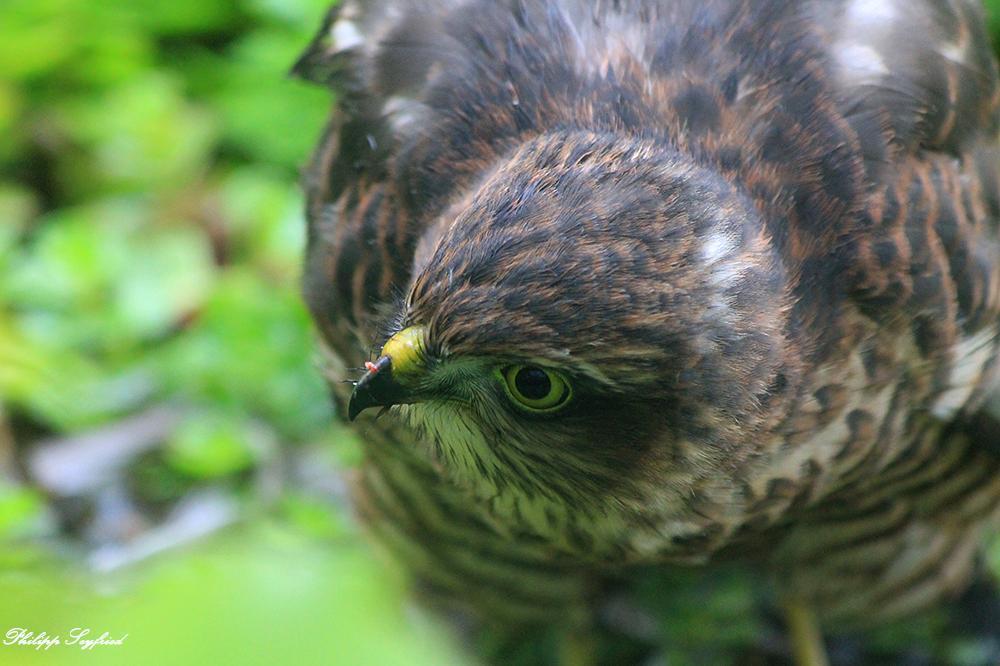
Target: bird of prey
(663,283)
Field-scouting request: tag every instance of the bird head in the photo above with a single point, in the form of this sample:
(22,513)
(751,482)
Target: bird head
(598,330)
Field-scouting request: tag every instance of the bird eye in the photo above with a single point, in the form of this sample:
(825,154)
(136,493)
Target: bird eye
(535,388)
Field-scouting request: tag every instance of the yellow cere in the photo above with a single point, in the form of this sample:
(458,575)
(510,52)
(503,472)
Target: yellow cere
(406,349)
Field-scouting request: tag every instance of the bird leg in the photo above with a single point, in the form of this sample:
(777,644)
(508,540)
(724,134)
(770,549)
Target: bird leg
(804,633)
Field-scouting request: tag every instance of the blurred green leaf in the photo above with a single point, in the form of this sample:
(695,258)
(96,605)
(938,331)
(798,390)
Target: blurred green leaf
(22,509)
(11,103)
(71,43)
(113,52)
(246,597)
(102,278)
(176,18)
(705,616)
(60,388)
(293,13)
(210,444)
(319,519)
(33,38)
(18,206)
(276,123)
(142,134)
(993,20)
(264,216)
(251,346)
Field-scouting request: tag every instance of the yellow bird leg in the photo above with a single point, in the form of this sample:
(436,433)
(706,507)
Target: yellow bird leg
(804,634)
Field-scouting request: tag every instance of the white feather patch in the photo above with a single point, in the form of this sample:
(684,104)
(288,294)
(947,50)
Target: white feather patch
(970,357)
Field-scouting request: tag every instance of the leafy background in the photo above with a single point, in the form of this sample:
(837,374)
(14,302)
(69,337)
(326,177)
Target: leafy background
(169,466)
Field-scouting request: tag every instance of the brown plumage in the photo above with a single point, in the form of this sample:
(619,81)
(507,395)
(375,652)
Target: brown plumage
(752,246)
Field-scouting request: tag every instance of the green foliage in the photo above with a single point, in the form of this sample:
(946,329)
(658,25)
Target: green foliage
(20,510)
(256,596)
(212,445)
(152,224)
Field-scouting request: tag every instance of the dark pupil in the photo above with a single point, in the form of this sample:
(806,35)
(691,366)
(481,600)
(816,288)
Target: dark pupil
(532,383)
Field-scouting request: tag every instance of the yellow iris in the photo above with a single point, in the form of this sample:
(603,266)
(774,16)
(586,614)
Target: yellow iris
(535,388)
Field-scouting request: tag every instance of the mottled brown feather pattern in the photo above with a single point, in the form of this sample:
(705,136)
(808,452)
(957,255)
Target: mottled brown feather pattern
(760,239)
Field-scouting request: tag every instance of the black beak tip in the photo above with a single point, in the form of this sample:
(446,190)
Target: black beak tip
(356,405)
(377,388)
(361,397)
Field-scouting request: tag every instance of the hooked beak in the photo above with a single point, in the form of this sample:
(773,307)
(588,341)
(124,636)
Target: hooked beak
(379,387)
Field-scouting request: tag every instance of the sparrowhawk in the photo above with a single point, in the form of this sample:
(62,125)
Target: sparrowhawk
(643,282)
